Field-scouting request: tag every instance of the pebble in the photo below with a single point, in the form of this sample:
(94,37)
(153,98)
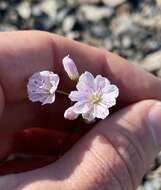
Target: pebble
(154,181)
(126,41)
(7,27)
(122,24)
(49,7)
(68,23)
(114,3)
(158,2)
(95,14)
(83,1)
(152,22)
(36,10)
(99,30)
(24,10)
(152,62)
(108,44)
(3,5)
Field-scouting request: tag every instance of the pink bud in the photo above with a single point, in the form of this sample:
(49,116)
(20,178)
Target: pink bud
(70,114)
(70,68)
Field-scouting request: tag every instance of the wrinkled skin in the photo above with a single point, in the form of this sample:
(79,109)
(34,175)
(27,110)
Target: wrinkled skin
(105,158)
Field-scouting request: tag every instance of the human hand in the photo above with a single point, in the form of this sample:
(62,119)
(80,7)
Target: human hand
(115,154)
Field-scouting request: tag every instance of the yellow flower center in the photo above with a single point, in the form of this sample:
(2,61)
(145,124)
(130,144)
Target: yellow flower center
(95,98)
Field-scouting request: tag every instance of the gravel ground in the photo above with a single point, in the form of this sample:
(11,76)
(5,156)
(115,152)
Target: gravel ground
(131,28)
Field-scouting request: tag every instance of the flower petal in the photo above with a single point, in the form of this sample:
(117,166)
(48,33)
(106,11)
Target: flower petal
(108,101)
(100,82)
(81,107)
(77,96)
(49,100)
(86,82)
(111,90)
(100,111)
(36,97)
(89,116)
(70,114)
(45,73)
(42,86)
(54,80)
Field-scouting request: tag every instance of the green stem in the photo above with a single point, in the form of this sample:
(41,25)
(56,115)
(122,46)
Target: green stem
(62,92)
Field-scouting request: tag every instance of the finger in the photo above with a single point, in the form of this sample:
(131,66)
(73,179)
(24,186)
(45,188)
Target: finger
(114,155)
(23,53)
(118,152)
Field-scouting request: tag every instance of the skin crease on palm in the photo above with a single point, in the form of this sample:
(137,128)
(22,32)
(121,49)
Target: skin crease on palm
(116,152)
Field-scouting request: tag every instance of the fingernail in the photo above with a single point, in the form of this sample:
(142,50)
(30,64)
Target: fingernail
(154,123)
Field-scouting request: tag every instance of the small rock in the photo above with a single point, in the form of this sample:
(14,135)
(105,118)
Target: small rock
(150,22)
(158,2)
(126,41)
(150,45)
(49,7)
(114,3)
(7,27)
(95,14)
(73,35)
(99,30)
(12,16)
(71,2)
(68,23)
(61,14)
(3,5)
(122,24)
(152,62)
(24,10)
(36,10)
(116,43)
(108,44)
(140,188)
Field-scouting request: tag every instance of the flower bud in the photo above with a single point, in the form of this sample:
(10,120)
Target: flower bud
(70,68)
(70,114)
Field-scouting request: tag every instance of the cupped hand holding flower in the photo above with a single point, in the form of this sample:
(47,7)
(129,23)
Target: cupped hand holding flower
(116,152)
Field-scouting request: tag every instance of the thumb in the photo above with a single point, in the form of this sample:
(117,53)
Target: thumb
(114,155)
(118,152)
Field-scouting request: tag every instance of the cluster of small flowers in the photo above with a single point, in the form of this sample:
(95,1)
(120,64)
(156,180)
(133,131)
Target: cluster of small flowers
(93,97)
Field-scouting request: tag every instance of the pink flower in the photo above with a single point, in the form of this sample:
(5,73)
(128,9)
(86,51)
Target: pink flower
(70,68)
(94,97)
(42,86)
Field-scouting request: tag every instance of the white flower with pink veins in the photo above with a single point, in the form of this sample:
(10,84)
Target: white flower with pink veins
(42,87)
(94,97)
